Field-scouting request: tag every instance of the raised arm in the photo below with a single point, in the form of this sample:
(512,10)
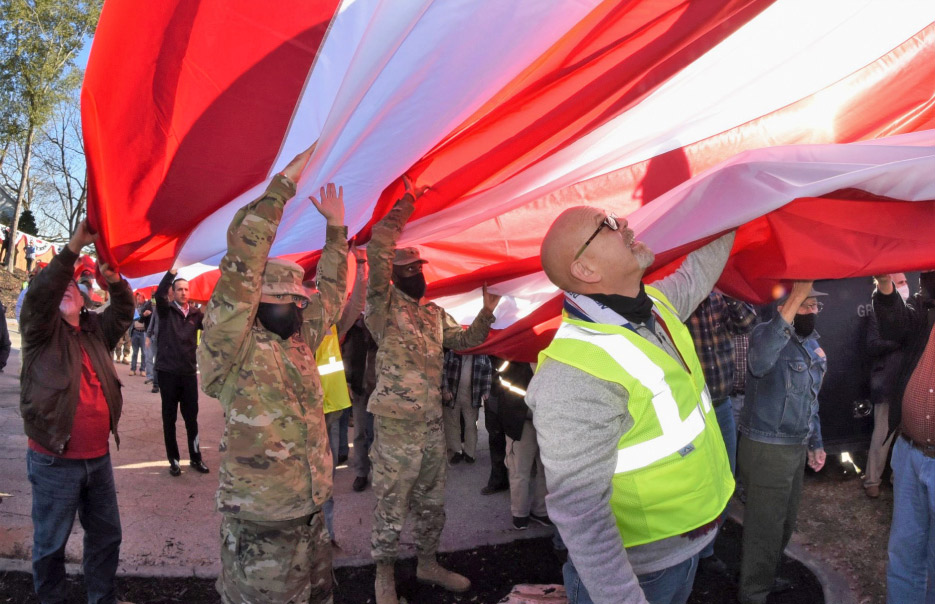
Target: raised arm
(768,339)
(231,311)
(457,338)
(380,253)
(332,268)
(695,278)
(45,293)
(118,315)
(355,304)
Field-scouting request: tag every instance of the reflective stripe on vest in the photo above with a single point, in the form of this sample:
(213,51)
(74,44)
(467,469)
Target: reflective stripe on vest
(332,366)
(676,433)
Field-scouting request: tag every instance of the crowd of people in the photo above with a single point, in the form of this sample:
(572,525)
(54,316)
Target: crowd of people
(627,435)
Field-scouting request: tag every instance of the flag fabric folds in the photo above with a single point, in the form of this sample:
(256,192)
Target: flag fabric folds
(806,126)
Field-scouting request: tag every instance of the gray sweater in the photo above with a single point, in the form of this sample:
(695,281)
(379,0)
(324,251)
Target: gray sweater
(579,419)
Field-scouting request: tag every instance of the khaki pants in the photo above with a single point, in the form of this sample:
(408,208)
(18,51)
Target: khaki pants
(453,428)
(409,470)
(879,445)
(288,561)
(527,491)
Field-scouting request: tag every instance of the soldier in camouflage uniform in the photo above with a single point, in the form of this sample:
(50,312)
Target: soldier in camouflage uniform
(258,358)
(408,452)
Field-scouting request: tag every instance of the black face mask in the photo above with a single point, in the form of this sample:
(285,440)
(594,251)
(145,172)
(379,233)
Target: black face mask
(635,310)
(284,320)
(413,286)
(804,324)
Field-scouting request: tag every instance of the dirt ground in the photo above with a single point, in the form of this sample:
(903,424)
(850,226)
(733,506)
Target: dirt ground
(838,524)
(843,527)
(10,287)
(494,569)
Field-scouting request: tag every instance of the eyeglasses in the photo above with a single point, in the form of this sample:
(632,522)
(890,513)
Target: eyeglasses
(297,300)
(610,221)
(815,307)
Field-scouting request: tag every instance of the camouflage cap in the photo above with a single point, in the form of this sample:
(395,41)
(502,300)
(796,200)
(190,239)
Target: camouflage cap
(407,255)
(283,277)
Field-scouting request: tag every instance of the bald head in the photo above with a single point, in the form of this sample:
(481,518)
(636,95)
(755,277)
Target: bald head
(612,263)
(563,240)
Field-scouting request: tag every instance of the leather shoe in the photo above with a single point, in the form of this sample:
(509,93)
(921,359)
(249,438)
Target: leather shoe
(781,585)
(456,458)
(360,483)
(200,466)
(155,389)
(174,469)
(468,458)
(491,489)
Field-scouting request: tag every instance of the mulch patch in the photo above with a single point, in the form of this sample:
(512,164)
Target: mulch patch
(493,569)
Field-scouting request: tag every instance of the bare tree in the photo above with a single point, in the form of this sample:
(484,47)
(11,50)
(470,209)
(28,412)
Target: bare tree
(39,40)
(59,194)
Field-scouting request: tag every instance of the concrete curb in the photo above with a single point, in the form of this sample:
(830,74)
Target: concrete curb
(834,585)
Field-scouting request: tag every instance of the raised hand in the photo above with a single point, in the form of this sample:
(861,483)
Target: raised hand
(294,170)
(331,205)
(490,300)
(884,283)
(110,275)
(415,192)
(82,237)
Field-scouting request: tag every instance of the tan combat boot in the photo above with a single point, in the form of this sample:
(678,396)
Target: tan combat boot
(430,571)
(385,586)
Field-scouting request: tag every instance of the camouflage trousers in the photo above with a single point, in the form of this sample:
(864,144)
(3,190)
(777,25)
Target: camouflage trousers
(409,469)
(275,562)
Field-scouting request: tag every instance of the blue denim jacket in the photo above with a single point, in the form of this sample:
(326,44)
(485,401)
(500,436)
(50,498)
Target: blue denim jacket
(784,375)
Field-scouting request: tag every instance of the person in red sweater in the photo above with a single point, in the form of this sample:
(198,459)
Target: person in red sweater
(70,402)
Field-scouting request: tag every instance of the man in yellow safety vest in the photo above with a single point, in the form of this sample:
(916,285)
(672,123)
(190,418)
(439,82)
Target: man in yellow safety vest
(635,464)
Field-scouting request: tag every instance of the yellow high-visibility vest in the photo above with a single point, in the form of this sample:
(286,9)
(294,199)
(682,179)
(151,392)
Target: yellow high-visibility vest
(672,472)
(331,369)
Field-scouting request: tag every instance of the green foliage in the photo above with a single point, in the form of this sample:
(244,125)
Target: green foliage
(39,40)
(27,224)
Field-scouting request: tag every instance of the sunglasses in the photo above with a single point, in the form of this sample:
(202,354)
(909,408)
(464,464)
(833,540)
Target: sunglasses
(297,300)
(610,221)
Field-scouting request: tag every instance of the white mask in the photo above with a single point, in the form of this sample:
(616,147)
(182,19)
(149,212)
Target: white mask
(904,292)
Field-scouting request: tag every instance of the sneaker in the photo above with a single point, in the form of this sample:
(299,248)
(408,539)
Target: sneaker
(360,483)
(491,489)
(544,520)
(456,458)
(200,466)
(521,523)
(872,492)
(174,469)
(468,458)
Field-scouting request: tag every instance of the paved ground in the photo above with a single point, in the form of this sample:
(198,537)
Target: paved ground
(170,527)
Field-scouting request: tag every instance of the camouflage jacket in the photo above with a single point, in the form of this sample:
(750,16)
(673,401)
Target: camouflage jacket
(275,459)
(409,335)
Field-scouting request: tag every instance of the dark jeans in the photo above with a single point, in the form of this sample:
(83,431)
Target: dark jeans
(138,349)
(772,477)
(179,391)
(60,489)
(497,440)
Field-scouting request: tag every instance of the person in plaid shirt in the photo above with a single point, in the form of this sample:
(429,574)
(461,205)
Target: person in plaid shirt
(713,326)
(465,388)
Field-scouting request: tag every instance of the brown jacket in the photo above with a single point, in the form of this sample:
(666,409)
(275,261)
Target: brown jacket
(52,354)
